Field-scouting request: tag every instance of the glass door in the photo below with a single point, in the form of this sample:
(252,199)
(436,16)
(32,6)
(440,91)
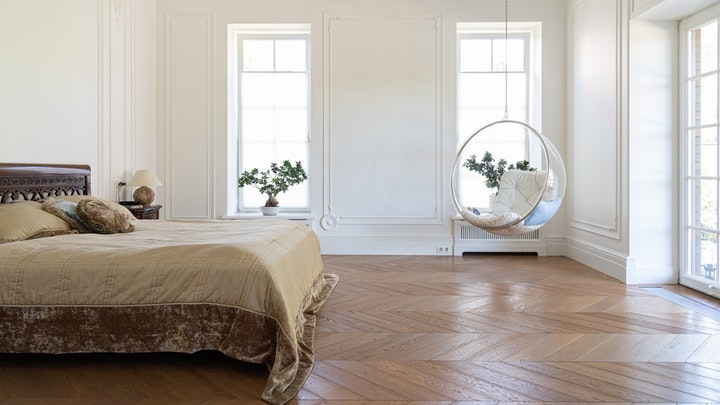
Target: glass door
(701,169)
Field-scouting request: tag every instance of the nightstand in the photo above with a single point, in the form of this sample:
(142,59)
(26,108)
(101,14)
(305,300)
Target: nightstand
(147,212)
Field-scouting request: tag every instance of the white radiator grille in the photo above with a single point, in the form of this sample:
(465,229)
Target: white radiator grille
(469,232)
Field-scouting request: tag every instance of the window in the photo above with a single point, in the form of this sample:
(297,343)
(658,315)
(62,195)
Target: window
(270,105)
(701,150)
(487,80)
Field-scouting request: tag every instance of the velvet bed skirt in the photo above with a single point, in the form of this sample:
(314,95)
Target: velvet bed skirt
(185,328)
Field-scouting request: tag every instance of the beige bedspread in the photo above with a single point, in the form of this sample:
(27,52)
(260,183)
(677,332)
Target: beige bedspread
(255,284)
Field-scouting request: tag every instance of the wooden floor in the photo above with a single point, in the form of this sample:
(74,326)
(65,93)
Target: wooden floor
(433,330)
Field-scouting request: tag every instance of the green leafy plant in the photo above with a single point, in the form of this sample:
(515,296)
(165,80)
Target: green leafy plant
(273,181)
(492,171)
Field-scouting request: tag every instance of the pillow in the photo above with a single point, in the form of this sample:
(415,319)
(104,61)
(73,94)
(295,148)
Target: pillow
(102,217)
(125,212)
(518,191)
(543,212)
(67,211)
(488,220)
(24,220)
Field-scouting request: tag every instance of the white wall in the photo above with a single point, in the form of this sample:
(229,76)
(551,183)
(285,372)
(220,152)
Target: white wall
(49,81)
(653,150)
(597,203)
(622,119)
(77,85)
(379,183)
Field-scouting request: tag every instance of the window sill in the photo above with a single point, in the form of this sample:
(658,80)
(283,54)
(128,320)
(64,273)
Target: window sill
(255,215)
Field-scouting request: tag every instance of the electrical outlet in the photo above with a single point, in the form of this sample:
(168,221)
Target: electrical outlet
(443,250)
(120,189)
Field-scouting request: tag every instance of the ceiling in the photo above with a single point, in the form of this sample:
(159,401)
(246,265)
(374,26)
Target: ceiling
(668,9)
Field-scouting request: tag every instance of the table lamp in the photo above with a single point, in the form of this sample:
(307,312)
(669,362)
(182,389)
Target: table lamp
(144,178)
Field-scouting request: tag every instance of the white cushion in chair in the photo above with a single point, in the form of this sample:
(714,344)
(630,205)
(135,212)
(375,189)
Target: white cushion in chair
(519,191)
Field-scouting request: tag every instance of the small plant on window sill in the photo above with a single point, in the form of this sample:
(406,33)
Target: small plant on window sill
(493,173)
(278,179)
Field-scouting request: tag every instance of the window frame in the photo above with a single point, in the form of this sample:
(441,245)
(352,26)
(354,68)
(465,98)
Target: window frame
(686,127)
(530,33)
(236,34)
(527,68)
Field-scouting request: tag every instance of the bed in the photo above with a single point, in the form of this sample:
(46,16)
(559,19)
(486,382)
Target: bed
(249,289)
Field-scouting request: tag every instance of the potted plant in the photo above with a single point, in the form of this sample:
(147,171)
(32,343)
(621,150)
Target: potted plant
(493,172)
(273,181)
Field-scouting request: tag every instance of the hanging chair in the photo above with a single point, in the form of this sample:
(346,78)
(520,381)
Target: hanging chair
(525,199)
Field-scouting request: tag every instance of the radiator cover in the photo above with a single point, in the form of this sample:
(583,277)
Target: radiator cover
(469,239)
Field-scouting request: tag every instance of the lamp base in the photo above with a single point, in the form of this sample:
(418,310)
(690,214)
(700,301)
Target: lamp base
(144,195)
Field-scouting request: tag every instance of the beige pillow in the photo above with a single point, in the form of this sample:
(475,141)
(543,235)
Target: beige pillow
(124,211)
(26,220)
(101,217)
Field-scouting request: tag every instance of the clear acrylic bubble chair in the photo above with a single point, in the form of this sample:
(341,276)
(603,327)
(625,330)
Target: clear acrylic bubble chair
(507,179)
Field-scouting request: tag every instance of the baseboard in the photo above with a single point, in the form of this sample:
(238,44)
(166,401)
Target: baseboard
(501,247)
(353,245)
(555,245)
(612,263)
(656,275)
(606,261)
(420,246)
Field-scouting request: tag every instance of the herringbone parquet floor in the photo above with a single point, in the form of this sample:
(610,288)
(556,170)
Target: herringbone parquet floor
(431,331)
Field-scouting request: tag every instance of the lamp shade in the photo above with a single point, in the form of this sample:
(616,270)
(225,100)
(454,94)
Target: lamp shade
(144,178)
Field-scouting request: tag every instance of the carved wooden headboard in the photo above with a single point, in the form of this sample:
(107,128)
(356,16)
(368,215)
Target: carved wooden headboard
(23,181)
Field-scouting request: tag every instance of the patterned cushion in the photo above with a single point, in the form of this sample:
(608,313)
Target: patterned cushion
(67,211)
(102,217)
(124,211)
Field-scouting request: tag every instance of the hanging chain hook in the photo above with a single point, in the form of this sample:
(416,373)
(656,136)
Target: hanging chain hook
(506,60)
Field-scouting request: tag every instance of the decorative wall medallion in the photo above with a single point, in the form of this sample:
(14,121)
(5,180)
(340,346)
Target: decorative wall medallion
(328,222)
